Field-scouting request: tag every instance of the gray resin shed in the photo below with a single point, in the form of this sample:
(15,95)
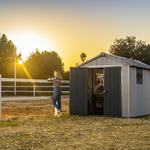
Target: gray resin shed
(110,85)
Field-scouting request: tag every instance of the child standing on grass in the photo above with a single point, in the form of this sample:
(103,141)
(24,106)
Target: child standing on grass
(56,80)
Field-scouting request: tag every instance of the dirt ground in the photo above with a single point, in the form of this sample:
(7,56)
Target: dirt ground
(31,125)
(31,107)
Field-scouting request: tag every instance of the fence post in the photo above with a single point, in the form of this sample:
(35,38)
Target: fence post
(15,88)
(0,96)
(33,90)
(15,77)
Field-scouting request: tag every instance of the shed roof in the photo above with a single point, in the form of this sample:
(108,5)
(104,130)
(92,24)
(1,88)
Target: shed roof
(130,62)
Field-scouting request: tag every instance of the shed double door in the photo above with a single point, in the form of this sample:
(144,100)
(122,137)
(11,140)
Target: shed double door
(78,91)
(112,97)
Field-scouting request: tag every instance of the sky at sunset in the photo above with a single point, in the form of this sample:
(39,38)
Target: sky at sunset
(71,27)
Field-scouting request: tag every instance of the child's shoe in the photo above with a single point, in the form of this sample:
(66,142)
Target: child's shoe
(56,115)
(60,113)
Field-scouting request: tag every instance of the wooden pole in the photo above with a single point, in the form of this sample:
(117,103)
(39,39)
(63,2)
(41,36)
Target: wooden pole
(33,90)
(15,77)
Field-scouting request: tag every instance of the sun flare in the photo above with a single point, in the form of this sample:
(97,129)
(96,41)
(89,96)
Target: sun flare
(27,43)
(20,62)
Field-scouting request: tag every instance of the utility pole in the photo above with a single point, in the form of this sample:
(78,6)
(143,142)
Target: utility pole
(15,75)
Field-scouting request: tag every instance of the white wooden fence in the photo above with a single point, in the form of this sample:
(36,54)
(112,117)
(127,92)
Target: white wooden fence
(33,91)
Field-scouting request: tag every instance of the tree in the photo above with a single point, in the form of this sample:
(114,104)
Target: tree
(42,65)
(131,48)
(77,63)
(83,57)
(7,57)
(65,75)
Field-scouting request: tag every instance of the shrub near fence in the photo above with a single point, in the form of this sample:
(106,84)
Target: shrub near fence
(28,89)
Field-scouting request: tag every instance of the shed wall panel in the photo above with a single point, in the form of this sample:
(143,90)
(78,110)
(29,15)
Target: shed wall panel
(108,61)
(125,74)
(114,62)
(103,61)
(93,62)
(139,94)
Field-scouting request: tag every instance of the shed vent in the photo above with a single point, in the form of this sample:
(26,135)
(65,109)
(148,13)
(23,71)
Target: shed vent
(103,55)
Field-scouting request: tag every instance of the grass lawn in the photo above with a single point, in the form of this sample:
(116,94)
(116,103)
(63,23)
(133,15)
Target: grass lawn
(31,125)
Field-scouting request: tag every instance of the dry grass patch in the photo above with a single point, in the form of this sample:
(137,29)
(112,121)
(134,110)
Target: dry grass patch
(38,129)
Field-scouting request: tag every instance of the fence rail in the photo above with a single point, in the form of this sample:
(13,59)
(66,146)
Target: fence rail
(33,90)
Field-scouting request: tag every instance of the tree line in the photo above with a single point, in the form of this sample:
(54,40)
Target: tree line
(128,47)
(42,65)
(131,48)
(37,66)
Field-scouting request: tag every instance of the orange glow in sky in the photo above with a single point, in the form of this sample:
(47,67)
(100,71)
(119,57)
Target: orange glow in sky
(27,42)
(72,27)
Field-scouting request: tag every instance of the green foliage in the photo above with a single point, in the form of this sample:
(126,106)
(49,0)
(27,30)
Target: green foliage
(42,65)
(7,56)
(83,57)
(131,48)
(77,64)
(65,75)
(39,65)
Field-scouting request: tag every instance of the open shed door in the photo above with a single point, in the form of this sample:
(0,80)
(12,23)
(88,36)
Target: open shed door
(112,99)
(78,91)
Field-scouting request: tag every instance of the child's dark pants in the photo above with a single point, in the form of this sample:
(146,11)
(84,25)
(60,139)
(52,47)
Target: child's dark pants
(57,97)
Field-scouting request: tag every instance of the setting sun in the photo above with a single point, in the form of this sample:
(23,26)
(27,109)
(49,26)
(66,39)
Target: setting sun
(72,27)
(29,42)
(20,62)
